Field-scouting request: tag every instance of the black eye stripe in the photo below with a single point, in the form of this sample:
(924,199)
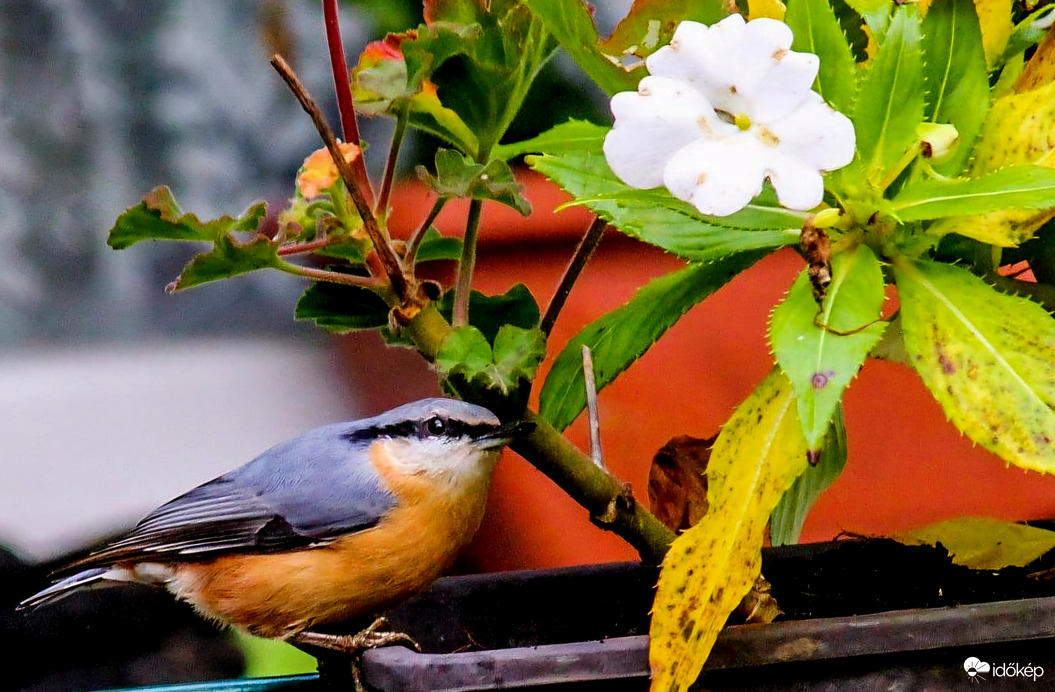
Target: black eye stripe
(419,430)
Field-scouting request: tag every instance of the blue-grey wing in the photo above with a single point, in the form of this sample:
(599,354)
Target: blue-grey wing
(298,494)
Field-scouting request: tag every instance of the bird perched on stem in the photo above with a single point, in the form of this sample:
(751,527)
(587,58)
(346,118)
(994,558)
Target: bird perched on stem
(341,522)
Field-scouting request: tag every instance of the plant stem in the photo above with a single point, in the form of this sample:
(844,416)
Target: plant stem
(582,255)
(378,237)
(299,248)
(390,163)
(599,492)
(317,274)
(415,240)
(465,268)
(343,89)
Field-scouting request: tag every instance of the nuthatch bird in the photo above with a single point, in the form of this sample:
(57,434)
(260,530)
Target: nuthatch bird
(341,522)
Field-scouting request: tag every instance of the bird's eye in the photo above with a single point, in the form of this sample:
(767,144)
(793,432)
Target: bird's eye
(435,426)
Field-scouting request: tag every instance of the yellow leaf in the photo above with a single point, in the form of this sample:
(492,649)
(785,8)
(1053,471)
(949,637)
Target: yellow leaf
(995,18)
(771,9)
(1019,129)
(713,565)
(983,543)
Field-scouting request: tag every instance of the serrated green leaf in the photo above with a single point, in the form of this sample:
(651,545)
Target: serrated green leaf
(954,71)
(713,565)
(889,105)
(342,309)
(785,526)
(464,351)
(159,217)
(649,215)
(984,543)
(435,246)
(817,31)
(821,363)
(229,258)
(1015,187)
(574,135)
(460,176)
(571,23)
(988,358)
(623,335)
(518,352)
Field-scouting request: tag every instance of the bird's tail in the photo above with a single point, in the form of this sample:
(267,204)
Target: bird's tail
(95,578)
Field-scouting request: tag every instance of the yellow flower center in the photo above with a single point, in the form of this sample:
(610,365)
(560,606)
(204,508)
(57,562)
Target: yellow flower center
(742,121)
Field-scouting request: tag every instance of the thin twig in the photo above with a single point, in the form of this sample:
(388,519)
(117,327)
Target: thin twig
(415,240)
(591,408)
(300,248)
(583,252)
(317,274)
(465,269)
(377,236)
(390,162)
(343,89)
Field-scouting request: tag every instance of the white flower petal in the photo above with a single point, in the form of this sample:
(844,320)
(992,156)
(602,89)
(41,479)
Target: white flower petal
(718,177)
(816,135)
(798,186)
(782,87)
(651,124)
(707,57)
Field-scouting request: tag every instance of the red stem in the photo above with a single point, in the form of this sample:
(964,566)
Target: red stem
(343,88)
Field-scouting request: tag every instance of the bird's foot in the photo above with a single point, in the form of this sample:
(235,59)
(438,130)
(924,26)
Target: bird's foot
(356,645)
(372,637)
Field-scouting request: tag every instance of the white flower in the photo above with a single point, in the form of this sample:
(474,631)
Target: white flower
(725,107)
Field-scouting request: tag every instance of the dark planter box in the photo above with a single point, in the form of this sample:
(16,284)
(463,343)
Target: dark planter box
(859,615)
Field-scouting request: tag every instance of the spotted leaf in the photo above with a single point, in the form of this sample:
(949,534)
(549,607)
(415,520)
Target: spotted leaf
(988,358)
(821,361)
(713,565)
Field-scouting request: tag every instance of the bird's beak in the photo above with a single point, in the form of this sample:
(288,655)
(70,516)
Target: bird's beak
(504,434)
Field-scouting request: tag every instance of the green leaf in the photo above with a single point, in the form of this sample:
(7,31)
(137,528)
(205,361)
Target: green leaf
(988,359)
(518,352)
(889,104)
(984,543)
(464,351)
(489,313)
(342,309)
(790,514)
(571,23)
(656,217)
(437,247)
(1015,187)
(713,565)
(460,176)
(159,217)
(821,363)
(229,258)
(955,73)
(623,335)
(574,135)
(817,31)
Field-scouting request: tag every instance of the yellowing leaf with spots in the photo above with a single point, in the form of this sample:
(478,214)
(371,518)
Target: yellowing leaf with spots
(769,9)
(1020,129)
(988,358)
(984,543)
(995,18)
(713,565)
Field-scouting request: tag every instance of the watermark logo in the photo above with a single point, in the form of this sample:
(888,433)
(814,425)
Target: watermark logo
(977,669)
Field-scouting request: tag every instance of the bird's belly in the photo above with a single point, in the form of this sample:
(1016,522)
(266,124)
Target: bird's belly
(278,595)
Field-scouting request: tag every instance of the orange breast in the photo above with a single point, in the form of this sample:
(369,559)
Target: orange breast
(281,594)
